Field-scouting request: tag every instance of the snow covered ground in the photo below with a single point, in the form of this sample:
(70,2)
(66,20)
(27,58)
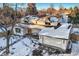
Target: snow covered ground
(2,42)
(21,48)
(75,48)
(25,46)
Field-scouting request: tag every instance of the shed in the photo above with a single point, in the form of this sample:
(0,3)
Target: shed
(56,37)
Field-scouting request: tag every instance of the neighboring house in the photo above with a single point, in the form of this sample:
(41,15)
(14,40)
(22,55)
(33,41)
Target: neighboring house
(75,34)
(19,29)
(64,18)
(44,21)
(27,19)
(53,19)
(22,29)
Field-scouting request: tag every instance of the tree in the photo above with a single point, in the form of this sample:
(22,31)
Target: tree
(49,10)
(75,16)
(76,9)
(61,6)
(31,9)
(71,8)
(8,20)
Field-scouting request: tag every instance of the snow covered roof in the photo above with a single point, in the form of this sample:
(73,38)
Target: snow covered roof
(2,29)
(75,31)
(53,19)
(30,26)
(62,32)
(31,17)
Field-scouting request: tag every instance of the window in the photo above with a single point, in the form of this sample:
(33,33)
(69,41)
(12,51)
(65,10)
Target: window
(18,30)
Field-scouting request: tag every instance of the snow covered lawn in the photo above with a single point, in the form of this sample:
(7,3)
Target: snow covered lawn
(2,42)
(22,48)
(25,47)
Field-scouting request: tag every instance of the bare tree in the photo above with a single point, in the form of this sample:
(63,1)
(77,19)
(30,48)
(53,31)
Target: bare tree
(31,9)
(10,21)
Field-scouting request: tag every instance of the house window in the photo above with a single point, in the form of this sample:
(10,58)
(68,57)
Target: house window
(18,30)
(25,21)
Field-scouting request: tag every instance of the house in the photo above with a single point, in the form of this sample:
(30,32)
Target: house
(27,19)
(44,21)
(56,37)
(22,29)
(75,34)
(64,18)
